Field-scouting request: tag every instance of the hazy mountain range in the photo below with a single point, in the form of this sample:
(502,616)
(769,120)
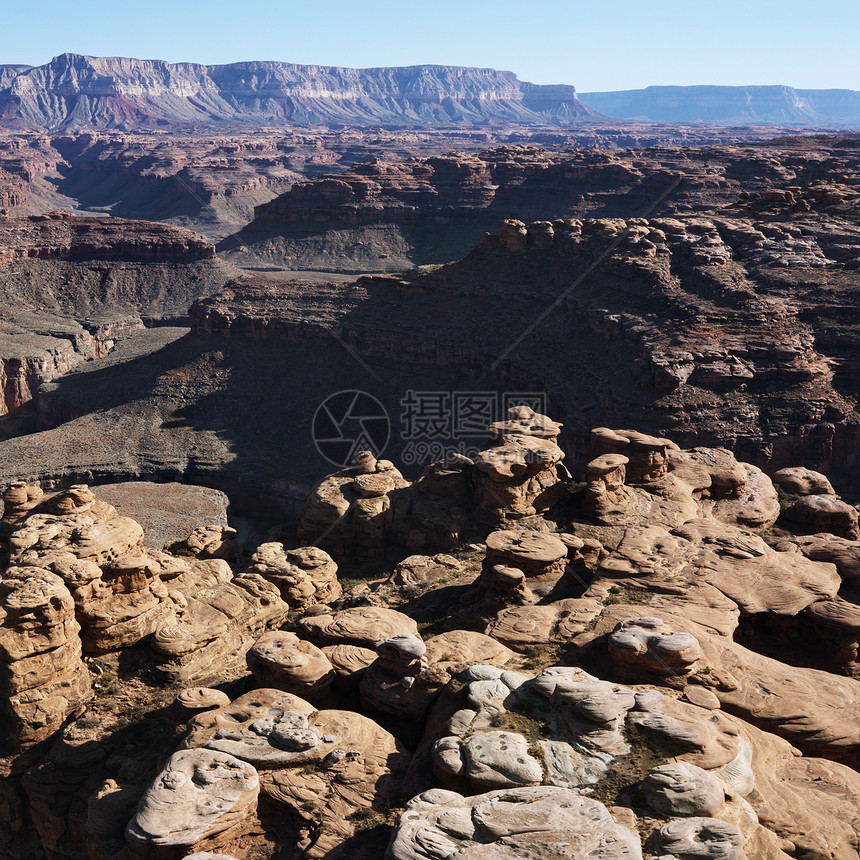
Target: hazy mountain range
(74,91)
(735,105)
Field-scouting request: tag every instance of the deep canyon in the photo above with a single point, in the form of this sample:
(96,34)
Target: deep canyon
(421,463)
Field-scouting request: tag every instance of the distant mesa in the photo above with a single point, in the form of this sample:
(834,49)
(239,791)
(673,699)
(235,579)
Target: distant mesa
(74,91)
(732,105)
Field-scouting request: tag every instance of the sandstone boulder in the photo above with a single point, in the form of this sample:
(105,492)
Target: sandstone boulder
(198,793)
(522,627)
(524,421)
(755,506)
(541,821)
(695,838)
(493,759)
(464,647)
(350,512)
(421,569)
(399,681)
(658,497)
(282,661)
(842,552)
(803,482)
(215,626)
(518,477)
(341,756)
(712,473)
(130,604)
(19,498)
(762,690)
(304,576)
(539,555)
(682,788)
(79,534)
(647,456)
(42,676)
(363,626)
(825,514)
(653,648)
(349,663)
(736,562)
(195,699)
(213,541)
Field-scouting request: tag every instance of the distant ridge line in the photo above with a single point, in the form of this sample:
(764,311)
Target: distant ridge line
(77,91)
(739,105)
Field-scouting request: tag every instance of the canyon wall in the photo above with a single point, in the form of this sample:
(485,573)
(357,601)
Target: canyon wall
(73,286)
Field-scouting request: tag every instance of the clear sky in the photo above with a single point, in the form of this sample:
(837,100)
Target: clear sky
(596,45)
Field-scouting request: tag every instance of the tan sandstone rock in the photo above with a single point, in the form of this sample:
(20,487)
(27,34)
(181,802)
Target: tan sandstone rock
(198,793)
(282,661)
(43,679)
(363,626)
(304,576)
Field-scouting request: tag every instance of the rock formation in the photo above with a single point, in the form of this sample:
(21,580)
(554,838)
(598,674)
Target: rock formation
(372,509)
(319,767)
(304,576)
(74,285)
(121,91)
(732,105)
(519,476)
(198,793)
(44,679)
(654,661)
(282,661)
(540,822)
(728,341)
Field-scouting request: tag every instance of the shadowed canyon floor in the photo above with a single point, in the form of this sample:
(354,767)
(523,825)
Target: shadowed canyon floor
(725,327)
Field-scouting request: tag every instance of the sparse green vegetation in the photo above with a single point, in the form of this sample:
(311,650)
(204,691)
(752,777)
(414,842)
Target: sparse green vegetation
(626,772)
(366,818)
(626,594)
(541,656)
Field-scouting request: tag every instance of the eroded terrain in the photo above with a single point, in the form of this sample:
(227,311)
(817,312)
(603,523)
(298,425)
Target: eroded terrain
(543,634)
(491,660)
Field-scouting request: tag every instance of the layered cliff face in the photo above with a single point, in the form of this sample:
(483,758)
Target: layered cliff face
(30,358)
(211,182)
(62,236)
(85,266)
(716,329)
(72,287)
(116,92)
(726,325)
(725,329)
(8,73)
(388,215)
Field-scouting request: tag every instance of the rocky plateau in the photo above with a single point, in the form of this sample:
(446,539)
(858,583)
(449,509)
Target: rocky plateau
(211,180)
(659,660)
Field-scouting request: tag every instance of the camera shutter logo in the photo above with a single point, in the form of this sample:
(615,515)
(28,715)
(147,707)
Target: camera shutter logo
(348,422)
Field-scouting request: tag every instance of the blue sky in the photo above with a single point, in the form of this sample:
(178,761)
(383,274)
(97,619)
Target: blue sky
(595,45)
